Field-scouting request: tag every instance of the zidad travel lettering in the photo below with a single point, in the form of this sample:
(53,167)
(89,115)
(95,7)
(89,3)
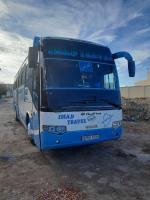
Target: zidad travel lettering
(70,119)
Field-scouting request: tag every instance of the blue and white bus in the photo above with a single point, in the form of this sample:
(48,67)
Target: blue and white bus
(66,93)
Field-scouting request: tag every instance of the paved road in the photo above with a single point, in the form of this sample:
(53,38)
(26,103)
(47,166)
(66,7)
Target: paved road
(108,171)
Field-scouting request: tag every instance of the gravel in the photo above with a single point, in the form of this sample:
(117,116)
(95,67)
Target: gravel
(65,193)
(136,109)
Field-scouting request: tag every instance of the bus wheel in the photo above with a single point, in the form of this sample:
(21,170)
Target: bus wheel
(29,133)
(32,141)
(31,138)
(17,119)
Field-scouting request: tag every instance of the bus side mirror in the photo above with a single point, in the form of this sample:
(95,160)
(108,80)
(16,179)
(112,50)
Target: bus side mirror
(131,68)
(33,57)
(128,57)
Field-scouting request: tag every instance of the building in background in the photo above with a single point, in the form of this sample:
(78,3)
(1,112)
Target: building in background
(144,82)
(140,90)
(9,92)
(6,90)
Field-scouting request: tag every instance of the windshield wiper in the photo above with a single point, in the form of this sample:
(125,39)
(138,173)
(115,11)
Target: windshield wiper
(84,101)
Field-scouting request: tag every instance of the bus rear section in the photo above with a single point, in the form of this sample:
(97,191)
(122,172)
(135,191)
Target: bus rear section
(74,92)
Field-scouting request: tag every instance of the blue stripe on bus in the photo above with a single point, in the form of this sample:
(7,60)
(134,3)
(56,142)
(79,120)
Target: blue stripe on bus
(73,138)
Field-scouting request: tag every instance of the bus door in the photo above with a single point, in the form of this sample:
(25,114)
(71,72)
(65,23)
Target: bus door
(28,92)
(35,108)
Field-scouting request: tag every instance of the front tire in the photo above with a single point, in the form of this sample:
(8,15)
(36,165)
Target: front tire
(17,119)
(32,141)
(30,134)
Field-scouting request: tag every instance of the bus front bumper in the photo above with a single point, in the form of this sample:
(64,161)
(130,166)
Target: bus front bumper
(76,138)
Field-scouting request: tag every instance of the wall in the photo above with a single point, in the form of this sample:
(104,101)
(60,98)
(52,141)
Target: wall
(136,92)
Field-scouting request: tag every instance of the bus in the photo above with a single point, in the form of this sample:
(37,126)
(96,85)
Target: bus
(66,93)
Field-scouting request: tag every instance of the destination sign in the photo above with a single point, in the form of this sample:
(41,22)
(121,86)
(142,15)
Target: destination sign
(59,48)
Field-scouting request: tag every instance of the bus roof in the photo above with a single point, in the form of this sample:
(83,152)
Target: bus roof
(37,40)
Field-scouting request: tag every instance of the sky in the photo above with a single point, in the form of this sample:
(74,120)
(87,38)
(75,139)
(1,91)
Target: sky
(122,25)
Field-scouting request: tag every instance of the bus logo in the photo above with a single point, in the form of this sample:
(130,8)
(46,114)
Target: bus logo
(106,119)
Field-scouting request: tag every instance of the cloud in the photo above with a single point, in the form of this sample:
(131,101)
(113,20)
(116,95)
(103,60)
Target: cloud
(143,31)
(89,20)
(140,55)
(108,22)
(3,9)
(13,50)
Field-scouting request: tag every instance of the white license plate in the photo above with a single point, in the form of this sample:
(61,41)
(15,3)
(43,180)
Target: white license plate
(90,137)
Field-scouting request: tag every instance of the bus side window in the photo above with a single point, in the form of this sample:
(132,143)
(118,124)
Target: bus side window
(19,80)
(35,87)
(29,78)
(25,82)
(35,79)
(23,77)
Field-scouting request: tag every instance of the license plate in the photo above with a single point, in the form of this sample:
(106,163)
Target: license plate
(90,137)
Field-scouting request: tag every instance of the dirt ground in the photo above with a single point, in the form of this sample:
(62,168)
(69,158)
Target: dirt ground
(108,171)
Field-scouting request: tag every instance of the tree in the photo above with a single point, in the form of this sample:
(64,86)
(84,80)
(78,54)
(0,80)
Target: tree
(3,89)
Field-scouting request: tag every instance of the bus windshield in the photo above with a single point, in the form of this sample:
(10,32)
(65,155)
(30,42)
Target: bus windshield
(80,74)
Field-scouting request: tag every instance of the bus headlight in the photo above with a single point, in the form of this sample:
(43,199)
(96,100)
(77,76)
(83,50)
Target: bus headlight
(116,124)
(55,129)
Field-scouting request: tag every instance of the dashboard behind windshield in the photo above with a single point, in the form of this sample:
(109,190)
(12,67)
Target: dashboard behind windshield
(80,74)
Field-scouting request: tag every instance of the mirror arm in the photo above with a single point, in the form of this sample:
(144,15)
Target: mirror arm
(128,57)
(122,54)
